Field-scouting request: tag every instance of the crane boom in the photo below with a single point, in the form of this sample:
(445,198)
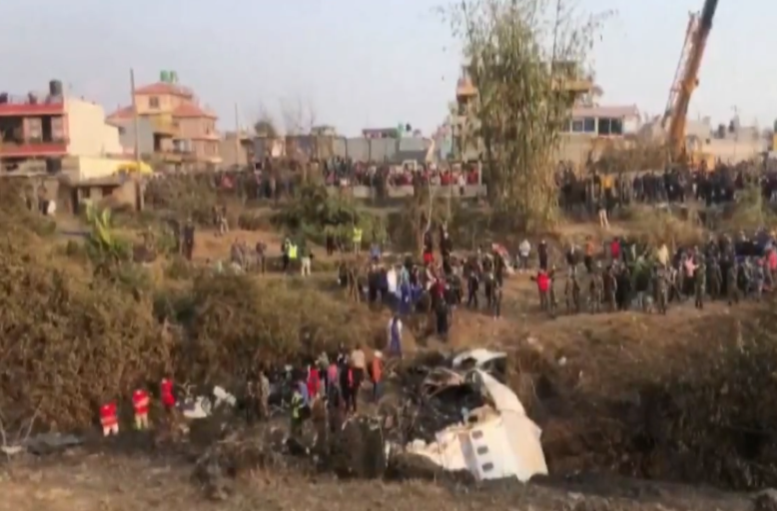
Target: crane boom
(687,78)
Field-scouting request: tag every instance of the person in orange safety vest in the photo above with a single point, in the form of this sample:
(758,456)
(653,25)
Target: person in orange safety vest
(109,419)
(140,403)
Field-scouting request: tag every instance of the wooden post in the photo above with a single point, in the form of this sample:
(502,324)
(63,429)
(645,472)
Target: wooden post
(237,138)
(136,129)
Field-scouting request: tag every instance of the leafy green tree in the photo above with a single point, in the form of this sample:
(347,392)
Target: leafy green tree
(523,55)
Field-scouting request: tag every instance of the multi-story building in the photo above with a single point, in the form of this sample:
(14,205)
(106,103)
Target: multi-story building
(589,123)
(53,132)
(184,132)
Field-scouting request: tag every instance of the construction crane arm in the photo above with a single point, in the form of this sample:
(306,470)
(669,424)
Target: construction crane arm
(688,78)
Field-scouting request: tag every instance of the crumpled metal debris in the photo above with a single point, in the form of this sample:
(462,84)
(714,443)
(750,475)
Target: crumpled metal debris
(492,440)
(202,407)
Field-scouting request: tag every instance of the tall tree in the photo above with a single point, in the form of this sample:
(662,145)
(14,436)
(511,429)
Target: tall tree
(521,55)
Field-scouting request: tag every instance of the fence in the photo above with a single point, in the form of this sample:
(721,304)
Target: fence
(397,192)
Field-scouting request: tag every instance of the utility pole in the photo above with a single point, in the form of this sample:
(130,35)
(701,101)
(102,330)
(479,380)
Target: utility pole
(136,129)
(237,138)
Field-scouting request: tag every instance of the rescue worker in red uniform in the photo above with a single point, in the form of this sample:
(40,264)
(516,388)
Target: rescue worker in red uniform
(166,393)
(109,419)
(140,402)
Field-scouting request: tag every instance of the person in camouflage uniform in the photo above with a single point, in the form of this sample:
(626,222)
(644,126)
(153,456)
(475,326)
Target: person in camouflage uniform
(660,289)
(714,277)
(700,284)
(352,280)
(552,298)
(759,279)
(496,302)
(610,287)
(572,294)
(595,291)
(732,283)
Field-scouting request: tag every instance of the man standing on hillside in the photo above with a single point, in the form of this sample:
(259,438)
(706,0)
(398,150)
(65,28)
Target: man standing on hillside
(394,330)
(358,362)
(188,239)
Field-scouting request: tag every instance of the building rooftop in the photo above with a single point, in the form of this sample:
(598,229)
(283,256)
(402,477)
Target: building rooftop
(192,110)
(185,110)
(165,88)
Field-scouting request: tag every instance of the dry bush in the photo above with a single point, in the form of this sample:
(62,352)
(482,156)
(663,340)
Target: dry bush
(635,155)
(69,343)
(234,324)
(191,195)
(750,212)
(719,413)
(661,226)
(254,220)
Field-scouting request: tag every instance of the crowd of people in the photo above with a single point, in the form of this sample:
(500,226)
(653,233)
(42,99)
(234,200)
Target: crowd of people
(346,172)
(630,274)
(330,383)
(713,187)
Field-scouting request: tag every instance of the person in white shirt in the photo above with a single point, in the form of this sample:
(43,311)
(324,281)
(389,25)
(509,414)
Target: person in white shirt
(524,249)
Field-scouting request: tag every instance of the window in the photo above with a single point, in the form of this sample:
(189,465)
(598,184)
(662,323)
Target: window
(577,125)
(482,450)
(610,126)
(566,126)
(589,125)
(477,434)
(122,131)
(616,126)
(153,102)
(604,126)
(488,467)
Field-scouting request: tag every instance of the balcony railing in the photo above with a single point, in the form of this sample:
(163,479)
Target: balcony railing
(33,148)
(30,104)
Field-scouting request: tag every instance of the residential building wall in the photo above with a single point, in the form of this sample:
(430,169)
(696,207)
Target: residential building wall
(89,134)
(145,134)
(90,167)
(232,152)
(149,104)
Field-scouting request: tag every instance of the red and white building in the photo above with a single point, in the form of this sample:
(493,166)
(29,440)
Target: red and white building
(52,132)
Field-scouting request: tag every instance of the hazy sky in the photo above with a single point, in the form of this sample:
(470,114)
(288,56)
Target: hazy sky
(360,63)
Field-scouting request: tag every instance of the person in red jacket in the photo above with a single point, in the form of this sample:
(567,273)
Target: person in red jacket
(109,419)
(140,403)
(314,382)
(615,249)
(543,286)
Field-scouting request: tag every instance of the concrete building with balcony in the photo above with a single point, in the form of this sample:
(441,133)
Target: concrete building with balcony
(52,133)
(589,124)
(184,132)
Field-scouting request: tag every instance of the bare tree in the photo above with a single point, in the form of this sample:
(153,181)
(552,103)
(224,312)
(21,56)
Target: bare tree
(298,117)
(522,54)
(265,125)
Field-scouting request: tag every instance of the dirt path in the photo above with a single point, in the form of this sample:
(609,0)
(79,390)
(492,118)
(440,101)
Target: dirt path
(104,482)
